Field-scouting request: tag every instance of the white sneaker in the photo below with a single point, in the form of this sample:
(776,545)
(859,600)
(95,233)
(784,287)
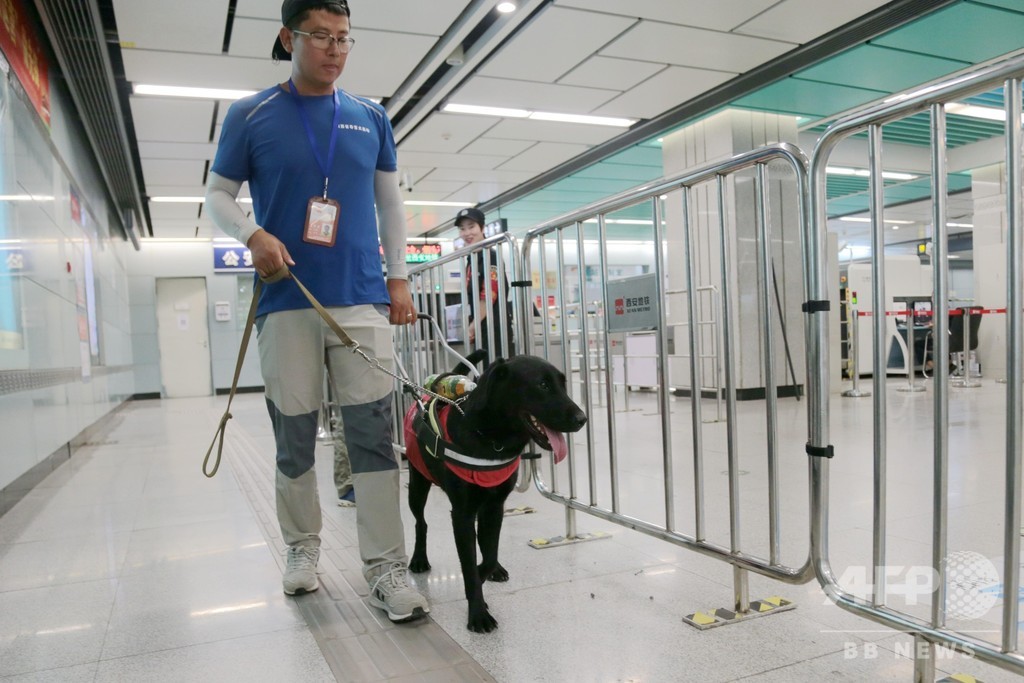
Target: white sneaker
(391,593)
(300,574)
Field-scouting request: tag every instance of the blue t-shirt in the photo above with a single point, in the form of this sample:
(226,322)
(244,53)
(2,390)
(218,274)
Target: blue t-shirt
(263,141)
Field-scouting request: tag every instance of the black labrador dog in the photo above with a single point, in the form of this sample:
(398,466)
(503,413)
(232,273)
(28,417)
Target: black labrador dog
(474,456)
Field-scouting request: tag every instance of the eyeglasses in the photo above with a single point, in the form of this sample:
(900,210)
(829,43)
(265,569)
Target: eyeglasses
(323,41)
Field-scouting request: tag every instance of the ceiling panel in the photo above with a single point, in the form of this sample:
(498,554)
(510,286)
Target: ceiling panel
(502,92)
(171,120)
(466,161)
(966,32)
(552,131)
(881,68)
(180,212)
(807,98)
(543,156)
(562,45)
(502,176)
(160,25)
(668,88)
(497,147)
(172,172)
(202,71)
(799,21)
(608,72)
(177,150)
(694,47)
(722,15)
(446,133)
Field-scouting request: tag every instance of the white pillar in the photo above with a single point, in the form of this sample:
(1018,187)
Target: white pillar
(717,138)
(988,190)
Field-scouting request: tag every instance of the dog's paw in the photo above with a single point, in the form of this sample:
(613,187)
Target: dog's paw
(418,565)
(499,574)
(481,622)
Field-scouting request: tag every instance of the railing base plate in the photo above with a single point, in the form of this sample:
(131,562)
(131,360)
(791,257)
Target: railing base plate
(722,616)
(556,541)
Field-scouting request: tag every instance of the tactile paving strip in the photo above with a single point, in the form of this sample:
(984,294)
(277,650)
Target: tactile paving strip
(358,641)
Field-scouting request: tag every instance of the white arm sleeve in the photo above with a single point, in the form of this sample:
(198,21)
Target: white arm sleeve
(391,222)
(227,215)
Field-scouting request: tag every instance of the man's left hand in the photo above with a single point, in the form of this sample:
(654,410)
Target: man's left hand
(403,312)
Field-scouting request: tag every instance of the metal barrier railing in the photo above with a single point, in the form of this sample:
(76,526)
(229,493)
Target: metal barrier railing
(418,349)
(555,236)
(928,633)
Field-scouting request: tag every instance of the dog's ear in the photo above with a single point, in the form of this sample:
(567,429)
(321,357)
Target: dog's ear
(488,386)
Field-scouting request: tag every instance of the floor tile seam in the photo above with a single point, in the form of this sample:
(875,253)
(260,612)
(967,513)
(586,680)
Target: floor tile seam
(217,641)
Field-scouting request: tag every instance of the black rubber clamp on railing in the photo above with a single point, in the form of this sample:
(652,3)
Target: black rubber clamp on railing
(532,455)
(820,451)
(816,306)
(522,283)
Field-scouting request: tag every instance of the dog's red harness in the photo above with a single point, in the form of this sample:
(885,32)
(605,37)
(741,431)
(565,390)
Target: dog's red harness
(487,478)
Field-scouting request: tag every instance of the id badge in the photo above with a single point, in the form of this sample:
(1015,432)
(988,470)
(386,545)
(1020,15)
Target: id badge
(321,222)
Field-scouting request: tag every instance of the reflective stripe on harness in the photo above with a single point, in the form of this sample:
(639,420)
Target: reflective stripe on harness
(429,426)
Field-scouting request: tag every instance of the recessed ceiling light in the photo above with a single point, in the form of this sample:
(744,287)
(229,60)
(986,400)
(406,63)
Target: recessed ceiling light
(975,112)
(191,200)
(865,219)
(506,7)
(864,173)
(508,112)
(581,118)
(414,202)
(199,93)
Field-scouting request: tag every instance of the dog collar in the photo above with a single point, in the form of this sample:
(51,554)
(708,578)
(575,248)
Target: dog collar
(433,435)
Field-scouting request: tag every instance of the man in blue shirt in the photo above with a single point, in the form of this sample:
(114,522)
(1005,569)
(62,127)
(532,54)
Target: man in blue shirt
(317,161)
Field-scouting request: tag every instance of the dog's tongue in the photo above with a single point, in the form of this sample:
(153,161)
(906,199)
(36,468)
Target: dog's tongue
(557,441)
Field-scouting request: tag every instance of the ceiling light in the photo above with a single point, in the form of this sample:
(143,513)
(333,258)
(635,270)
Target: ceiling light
(506,7)
(974,111)
(413,202)
(486,111)
(510,113)
(864,173)
(200,93)
(25,198)
(580,118)
(191,200)
(959,225)
(865,219)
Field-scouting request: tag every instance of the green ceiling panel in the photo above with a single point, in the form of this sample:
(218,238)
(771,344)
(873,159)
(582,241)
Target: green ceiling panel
(808,98)
(966,32)
(639,155)
(1014,5)
(881,68)
(605,171)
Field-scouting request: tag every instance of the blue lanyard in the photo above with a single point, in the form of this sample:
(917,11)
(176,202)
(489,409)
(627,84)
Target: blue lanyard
(304,115)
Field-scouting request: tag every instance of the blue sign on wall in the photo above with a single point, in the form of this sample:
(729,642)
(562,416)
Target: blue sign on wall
(232,259)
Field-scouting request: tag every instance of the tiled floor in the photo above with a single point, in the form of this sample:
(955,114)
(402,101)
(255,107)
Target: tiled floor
(126,564)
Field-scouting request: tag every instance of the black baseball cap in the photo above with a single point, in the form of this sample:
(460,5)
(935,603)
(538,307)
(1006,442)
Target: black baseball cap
(293,8)
(475,215)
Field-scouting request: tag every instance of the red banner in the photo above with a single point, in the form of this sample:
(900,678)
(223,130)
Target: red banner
(24,51)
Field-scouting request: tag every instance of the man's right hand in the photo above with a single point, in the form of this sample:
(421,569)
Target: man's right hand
(269,254)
